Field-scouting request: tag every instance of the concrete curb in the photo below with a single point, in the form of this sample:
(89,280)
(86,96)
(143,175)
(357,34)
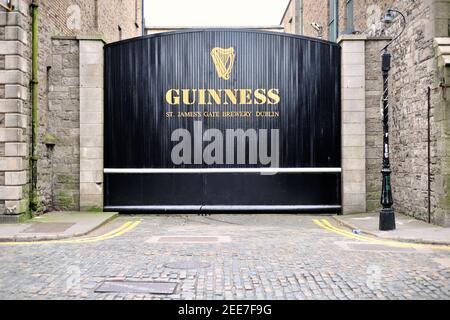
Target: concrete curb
(407,240)
(58,236)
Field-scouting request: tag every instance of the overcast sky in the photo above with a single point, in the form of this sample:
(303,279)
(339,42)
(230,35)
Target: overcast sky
(188,13)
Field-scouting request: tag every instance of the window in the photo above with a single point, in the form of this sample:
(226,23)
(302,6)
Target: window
(333,22)
(349,25)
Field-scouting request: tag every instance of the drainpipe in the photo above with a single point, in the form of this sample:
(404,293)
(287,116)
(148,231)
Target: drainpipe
(34,106)
(429,152)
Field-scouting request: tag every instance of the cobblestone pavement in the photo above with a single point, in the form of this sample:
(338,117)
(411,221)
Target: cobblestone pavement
(240,257)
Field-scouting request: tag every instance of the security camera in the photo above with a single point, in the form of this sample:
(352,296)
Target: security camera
(318,28)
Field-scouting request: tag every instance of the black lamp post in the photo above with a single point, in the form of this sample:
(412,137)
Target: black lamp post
(387,216)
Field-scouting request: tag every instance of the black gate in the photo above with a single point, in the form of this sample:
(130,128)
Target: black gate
(221,119)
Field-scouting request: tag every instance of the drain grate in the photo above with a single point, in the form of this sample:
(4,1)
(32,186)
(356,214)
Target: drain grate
(187,265)
(48,227)
(137,287)
(188,239)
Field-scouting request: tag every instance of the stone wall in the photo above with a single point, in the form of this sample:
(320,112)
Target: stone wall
(61,139)
(373,119)
(61,23)
(14,110)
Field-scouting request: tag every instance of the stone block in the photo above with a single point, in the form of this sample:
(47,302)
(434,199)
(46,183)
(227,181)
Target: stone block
(353,105)
(16,178)
(91,46)
(91,130)
(354,141)
(91,82)
(353,70)
(354,176)
(353,59)
(91,165)
(353,117)
(10,135)
(89,70)
(354,164)
(89,141)
(91,118)
(11,105)
(356,82)
(16,33)
(354,199)
(17,206)
(91,188)
(91,176)
(91,94)
(91,153)
(349,129)
(11,47)
(95,58)
(353,93)
(15,120)
(11,192)
(351,209)
(88,201)
(353,153)
(354,187)
(13,77)
(16,149)
(13,91)
(353,47)
(21,6)
(90,105)
(16,63)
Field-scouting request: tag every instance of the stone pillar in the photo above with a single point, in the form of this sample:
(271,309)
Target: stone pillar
(91,124)
(14,108)
(353,124)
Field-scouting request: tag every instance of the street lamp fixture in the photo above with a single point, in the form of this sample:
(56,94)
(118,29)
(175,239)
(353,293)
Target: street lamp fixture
(387,216)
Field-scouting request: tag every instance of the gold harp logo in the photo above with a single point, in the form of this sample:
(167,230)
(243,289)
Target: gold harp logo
(223,60)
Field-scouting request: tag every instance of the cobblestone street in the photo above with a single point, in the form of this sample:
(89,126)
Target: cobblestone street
(225,257)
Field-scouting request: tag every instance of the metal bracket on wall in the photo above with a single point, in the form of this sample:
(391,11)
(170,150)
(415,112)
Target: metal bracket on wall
(8,6)
(444,87)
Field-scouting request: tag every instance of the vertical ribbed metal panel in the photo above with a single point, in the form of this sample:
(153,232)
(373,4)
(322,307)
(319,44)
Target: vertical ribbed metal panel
(138,73)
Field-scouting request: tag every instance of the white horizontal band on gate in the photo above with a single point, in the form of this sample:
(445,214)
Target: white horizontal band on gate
(226,170)
(225,208)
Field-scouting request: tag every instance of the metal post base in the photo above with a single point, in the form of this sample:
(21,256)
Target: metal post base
(387,219)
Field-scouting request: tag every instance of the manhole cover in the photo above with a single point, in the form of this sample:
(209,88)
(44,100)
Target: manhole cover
(48,227)
(137,287)
(188,239)
(187,265)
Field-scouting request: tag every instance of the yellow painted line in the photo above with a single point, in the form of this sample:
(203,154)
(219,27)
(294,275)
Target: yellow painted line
(121,232)
(325,224)
(126,227)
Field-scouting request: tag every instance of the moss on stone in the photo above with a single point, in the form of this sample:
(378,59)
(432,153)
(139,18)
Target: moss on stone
(50,139)
(65,199)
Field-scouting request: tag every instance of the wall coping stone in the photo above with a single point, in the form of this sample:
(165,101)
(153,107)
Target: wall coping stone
(81,38)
